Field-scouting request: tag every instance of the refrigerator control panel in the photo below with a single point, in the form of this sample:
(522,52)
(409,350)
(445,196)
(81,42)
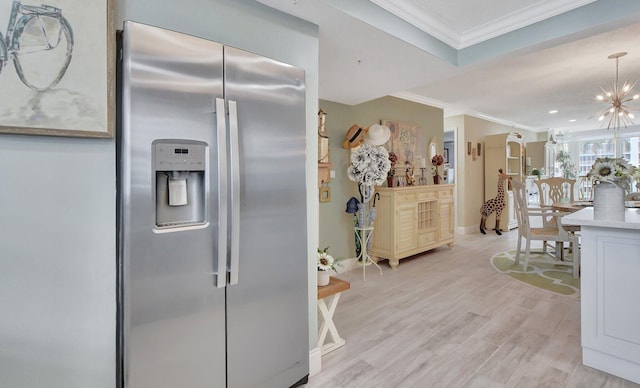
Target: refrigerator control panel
(179,157)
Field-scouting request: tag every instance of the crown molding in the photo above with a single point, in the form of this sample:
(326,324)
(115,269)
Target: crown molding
(431,23)
(535,13)
(450,110)
(438,26)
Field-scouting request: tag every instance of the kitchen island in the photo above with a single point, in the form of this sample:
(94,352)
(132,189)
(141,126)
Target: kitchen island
(610,288)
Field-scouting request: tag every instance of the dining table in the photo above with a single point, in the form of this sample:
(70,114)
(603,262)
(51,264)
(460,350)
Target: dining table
(571,207)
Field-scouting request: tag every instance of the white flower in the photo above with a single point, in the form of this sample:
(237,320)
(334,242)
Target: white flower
(617,171)
(369,165)
(325,261)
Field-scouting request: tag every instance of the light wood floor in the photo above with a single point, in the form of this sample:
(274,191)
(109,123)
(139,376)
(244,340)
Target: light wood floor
(448,319)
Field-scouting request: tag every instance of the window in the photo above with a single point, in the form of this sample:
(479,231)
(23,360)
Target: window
(629,148)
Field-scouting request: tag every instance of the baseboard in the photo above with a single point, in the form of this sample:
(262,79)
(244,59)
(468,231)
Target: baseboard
(315,361)
(467,229)
(347,265)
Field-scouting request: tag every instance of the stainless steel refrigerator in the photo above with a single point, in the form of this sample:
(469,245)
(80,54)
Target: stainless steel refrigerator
(211,214)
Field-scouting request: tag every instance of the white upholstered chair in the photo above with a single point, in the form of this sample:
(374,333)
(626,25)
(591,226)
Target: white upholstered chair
(545,233)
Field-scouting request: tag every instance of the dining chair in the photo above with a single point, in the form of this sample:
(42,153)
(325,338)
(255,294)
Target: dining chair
(545,233)
(552,190)
(633,196)
(585,188)
(555,190)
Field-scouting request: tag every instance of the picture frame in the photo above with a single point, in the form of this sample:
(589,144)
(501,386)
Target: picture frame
(445,154)
(324,193)
(404,141)
(68,90)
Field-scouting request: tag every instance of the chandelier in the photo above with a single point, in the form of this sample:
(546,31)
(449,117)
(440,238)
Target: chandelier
(618,112)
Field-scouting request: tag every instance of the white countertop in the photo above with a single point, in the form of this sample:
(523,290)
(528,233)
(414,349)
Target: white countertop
(584,217)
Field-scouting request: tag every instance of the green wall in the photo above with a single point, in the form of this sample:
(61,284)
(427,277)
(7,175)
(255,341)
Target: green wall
(336,226)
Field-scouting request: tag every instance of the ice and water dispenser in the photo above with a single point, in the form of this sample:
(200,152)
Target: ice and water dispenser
(179,168)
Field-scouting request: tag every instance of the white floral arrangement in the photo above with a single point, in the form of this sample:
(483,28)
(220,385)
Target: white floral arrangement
(326,262)
(615,170)
(369,165)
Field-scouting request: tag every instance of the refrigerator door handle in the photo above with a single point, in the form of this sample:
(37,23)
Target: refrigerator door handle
(234,158)
(221,264)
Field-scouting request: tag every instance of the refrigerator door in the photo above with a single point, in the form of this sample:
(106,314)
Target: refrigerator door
(173,316)
(267,313)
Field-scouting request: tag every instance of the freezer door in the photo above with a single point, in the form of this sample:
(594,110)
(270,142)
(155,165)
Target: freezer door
(267,307)
(172,315)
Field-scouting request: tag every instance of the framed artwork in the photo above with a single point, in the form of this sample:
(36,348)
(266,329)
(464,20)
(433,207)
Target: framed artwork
(446,155)
(57,79)
(404,141)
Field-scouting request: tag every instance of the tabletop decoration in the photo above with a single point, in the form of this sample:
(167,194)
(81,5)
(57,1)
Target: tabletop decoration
(612,178)
(436,161)
(393,158)
(326,264)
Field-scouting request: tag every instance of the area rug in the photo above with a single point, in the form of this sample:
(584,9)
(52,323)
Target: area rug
(543,272)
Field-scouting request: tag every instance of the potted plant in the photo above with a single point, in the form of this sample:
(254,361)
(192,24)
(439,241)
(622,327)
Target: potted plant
(536,172)
(436,161)
(393,158)
(566,165)
(326,264)
(611,178)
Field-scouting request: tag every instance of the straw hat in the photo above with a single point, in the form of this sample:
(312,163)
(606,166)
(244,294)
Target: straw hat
(355,137)
(377,135)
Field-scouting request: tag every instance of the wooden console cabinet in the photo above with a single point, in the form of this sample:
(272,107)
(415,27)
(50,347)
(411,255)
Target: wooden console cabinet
(411,220)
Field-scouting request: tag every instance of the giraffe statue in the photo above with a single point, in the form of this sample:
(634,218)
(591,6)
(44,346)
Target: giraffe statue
(495,204)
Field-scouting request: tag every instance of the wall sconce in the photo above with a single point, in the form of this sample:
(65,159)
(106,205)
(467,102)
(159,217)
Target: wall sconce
(468,148)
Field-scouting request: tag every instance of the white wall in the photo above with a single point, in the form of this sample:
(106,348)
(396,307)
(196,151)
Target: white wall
(57,263)
(57,211)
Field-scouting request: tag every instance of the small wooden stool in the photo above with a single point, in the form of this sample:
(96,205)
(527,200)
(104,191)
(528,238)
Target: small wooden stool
(334,288)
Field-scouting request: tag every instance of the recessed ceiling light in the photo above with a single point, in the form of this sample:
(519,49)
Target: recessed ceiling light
(572,120)
(553,111)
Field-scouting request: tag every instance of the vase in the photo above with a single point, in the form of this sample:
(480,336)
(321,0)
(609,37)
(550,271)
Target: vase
(390,181)
(608,202)
(436,179)
(323,278)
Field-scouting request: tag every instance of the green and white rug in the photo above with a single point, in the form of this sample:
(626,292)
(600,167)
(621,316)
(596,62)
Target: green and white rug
(543,272)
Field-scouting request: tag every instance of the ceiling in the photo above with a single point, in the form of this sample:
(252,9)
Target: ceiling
(509,61)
